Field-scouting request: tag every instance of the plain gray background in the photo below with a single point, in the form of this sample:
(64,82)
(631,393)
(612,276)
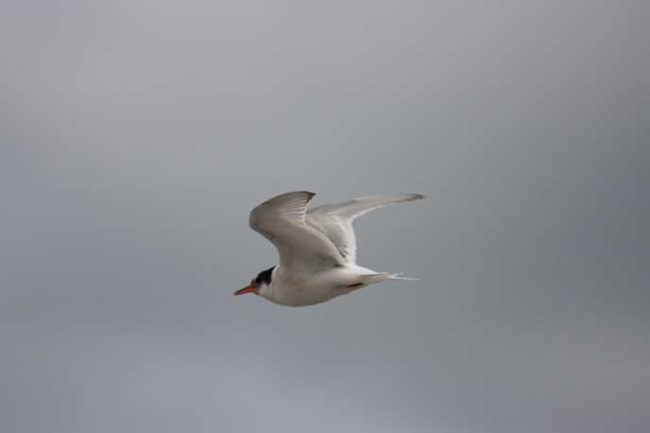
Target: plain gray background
(137,135)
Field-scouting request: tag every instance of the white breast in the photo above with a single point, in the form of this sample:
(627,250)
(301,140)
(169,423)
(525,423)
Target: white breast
(299,290)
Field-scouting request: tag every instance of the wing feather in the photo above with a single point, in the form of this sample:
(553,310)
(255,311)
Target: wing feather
(335,220)
(301,247)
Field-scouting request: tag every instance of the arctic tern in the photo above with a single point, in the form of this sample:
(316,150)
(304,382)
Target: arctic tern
(317,248)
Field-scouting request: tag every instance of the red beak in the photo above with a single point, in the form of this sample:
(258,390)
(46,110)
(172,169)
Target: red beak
(247,289)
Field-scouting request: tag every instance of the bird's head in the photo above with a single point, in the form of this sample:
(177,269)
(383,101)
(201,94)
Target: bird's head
(260,285)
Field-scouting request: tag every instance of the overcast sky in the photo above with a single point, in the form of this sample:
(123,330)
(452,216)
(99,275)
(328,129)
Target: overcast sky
(136,135)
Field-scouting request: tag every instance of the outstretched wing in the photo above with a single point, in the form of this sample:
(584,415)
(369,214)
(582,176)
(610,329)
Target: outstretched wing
(301,248)
(335,220)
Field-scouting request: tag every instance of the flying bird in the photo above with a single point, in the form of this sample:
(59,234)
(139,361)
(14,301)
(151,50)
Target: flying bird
(317,248)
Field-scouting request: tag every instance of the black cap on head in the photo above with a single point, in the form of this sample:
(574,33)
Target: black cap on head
(264,276)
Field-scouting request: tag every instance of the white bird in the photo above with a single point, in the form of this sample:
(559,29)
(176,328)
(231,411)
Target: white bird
(317,248)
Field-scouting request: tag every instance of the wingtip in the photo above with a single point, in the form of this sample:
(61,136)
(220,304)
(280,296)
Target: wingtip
(304,191)
(309,194)
(285,195)
(413,196)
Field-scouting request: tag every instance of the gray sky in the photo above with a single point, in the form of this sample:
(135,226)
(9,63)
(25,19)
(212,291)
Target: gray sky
(137,135)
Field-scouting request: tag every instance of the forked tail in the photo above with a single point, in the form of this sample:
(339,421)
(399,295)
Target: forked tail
(398,276)
(383,276)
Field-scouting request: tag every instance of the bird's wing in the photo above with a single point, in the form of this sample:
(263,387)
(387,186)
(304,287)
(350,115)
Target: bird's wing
(301,248)
(335,220)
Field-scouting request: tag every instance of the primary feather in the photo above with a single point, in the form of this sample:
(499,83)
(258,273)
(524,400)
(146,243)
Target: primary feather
(282,221)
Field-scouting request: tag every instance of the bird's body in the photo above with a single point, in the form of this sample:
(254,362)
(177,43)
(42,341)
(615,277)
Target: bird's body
(300,289)
(317,248)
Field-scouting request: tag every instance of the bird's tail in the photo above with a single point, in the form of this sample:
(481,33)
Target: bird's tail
(383,276)
(399,276)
